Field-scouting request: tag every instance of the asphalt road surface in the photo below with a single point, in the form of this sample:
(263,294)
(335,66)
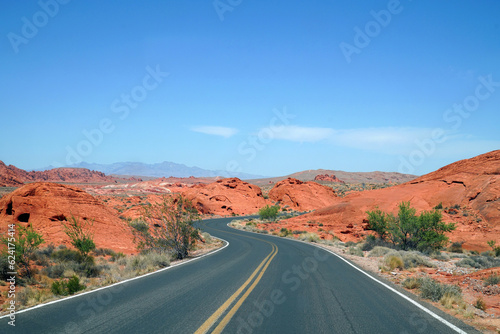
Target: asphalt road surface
(257,284)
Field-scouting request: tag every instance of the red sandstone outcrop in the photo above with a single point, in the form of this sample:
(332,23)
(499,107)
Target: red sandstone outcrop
(46,206)
(472,184)
(327,178)
(11,176)
(225,197)
(302,196)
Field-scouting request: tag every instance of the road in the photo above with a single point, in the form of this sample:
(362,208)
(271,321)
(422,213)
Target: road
(257,284)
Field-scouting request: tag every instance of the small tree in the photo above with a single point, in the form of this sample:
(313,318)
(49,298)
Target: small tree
(168,225)
(269,212)
(409,231)
(26,243)
(83,241)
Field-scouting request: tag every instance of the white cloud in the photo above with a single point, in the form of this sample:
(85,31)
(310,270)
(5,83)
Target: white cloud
(302,134)
(391,140)
(215,130)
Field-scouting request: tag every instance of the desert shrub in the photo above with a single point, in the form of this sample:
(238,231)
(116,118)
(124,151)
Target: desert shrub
(392,261)
(379,251)
(269,212)
(55,271)
(30,296)
(371,242)
(433,290)
(168,226)
(479,262)
(409,231)
(450,298)
(284,232)
(47,251)
(456,247)
(415,259)
(439,206)
(412,283)
(25,244)
(104,252)
(63,288)
(4,267)
(350,244)
(495,249)
(355,251)
(298,232)
(492,280)
(149,261)
(440,256)
(81,238)
(480,304)
(309,237)
(66,254)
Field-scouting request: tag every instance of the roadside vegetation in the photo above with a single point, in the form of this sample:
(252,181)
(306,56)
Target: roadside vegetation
(164,234)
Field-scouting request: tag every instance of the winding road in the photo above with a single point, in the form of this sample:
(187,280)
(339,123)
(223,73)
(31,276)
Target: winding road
(256,284)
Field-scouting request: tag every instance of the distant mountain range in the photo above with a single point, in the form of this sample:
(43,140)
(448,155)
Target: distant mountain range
(162,169)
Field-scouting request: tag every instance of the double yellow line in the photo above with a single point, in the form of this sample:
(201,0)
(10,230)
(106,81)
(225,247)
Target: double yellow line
(259,272)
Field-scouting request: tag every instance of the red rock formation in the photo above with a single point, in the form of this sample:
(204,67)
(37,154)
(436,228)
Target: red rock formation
(472,184)
(302,196)
(11,176)
(328,178)
(225,197)
(46,206)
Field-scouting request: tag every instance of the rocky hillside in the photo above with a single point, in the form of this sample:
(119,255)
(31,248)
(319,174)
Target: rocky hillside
(469,189)
(11,176)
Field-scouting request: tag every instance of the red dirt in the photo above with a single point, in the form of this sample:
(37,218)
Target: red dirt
(46,206)
(302,196)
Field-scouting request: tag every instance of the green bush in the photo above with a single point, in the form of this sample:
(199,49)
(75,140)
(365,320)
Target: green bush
(55,271)
(371,242)
(494,248)
(71,287)
(269,212)
(409,231)
(82,240)
(439,206)
(25,246)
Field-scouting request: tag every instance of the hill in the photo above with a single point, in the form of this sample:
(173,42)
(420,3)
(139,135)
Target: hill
(11,176)
(469,191)
(347,177)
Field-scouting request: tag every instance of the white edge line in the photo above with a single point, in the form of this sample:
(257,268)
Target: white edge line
(423,308)
(121,282)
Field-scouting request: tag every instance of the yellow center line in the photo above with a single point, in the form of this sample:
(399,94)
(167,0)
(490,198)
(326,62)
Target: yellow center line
(235,308)
(216,315)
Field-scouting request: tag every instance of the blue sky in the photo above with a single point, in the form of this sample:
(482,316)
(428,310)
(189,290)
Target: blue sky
(262,87)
